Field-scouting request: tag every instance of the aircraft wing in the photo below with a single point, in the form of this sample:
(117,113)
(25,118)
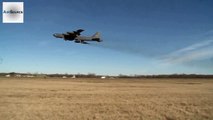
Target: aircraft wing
(76,33)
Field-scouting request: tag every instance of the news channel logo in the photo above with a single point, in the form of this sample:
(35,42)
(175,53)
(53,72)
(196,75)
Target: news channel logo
(13,12)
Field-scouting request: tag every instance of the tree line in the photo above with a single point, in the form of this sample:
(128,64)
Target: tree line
(93,75)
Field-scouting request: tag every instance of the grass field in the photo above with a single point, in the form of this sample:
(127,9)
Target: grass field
(96,99)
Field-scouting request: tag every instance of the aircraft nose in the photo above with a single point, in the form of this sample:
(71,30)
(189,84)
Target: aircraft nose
(55,35)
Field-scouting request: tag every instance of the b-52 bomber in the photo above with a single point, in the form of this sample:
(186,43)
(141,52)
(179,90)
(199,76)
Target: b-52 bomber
(77,38)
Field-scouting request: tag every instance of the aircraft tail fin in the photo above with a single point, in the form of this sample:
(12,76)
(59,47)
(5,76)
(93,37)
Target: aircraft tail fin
(96,37)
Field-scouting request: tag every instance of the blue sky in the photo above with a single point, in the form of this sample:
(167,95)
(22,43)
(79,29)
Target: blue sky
(140,37)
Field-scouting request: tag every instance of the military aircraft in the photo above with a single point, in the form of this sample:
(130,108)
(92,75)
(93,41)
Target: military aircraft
(77,38)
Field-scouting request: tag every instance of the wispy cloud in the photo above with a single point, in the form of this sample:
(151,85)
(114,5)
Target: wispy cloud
(43,43)
(198,51)
(1,60)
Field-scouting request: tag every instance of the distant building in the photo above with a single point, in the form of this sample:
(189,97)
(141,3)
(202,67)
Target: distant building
(7,75)
(18,75)
(73,77)
(30,76)
(64,77)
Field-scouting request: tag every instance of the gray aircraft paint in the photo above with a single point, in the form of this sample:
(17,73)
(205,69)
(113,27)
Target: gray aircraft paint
(77,38)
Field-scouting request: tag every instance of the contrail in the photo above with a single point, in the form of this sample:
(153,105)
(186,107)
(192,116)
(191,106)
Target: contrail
(119,47)
(1,60)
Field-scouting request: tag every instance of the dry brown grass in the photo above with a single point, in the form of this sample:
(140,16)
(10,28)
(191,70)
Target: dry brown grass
(89,99)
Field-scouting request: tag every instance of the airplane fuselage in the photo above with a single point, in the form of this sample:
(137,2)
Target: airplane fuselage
(75,35)
(85,38)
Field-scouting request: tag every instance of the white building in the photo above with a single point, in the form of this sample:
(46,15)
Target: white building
(7,75)
(64,77)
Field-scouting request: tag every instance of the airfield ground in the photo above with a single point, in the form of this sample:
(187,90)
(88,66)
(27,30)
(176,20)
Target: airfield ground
(114,99)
